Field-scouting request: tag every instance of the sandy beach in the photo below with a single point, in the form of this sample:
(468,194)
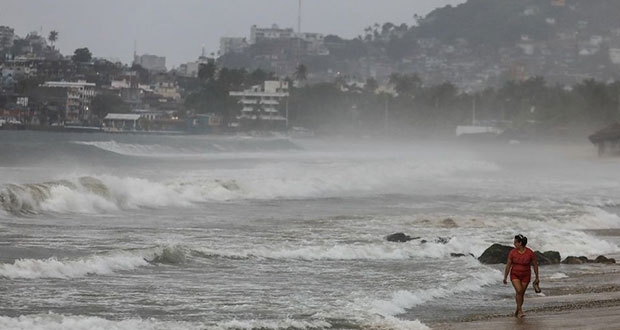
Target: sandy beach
(591,311)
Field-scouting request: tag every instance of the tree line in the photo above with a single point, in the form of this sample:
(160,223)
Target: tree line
(406,104)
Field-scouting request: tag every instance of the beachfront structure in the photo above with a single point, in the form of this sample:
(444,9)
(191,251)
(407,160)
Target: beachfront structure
(607,140)
(262,106)
(121,122)
(79,96)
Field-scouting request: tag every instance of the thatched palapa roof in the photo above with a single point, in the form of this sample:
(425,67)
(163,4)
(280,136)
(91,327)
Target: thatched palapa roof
(611,132)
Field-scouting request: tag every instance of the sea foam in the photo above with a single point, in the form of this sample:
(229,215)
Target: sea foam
(62,322)
(354,251)
(403,299)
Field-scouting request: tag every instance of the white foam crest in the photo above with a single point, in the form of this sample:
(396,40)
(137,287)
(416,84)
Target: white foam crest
(394,323)
(379,251)
(129,149)
(571,243)
(65,269)
(64,199)
(597,218)
(557,276)
(402,300)
(130,192)
(101,194)
(201,189)
(62,322)
(300,179)
(562,232)
(271,324)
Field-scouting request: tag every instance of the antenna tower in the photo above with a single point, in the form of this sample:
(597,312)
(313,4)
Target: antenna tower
(299,19)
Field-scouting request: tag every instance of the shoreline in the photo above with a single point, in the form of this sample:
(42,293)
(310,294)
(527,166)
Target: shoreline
(595,310)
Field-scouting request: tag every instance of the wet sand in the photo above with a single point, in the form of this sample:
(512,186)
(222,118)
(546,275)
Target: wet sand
(588,311)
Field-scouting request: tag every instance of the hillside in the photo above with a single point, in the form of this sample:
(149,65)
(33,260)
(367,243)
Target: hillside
(476,44)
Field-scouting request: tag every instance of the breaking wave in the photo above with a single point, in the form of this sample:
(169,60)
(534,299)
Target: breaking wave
(185,147)
(403,300)
(104,264)
(104,194)
(65,322)
(378,251)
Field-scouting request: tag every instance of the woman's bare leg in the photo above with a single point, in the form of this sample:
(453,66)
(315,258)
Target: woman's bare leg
(520,288)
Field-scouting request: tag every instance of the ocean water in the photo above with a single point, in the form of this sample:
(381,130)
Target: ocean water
(102,231)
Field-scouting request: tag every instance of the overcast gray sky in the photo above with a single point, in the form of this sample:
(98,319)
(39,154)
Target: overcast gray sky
(178,29)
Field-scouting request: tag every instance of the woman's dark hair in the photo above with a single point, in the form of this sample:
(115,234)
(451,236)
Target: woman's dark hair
(521,239)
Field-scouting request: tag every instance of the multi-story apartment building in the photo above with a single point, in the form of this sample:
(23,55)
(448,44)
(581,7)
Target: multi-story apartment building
(79,97)
(262,106)
(7,35)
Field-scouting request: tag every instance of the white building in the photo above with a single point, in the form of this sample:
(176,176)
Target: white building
(167,89)
(120,84)
(274,32)
(151,62)
(79,97)
(315,43)
(262,104)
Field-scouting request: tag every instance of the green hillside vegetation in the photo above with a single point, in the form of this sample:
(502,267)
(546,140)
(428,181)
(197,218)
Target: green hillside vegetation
(494,24)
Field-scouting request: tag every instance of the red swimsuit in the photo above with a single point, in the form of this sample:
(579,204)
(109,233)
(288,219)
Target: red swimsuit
(521,264)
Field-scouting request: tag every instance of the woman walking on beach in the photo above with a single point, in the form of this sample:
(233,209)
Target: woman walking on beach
(519,263)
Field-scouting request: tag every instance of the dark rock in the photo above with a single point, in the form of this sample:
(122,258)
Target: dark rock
(459,255)
(605,260)
(572,260)
(553,256)
(448,223)
(495,254)
(443,240)
(548,257)
(542,259)
(400,237)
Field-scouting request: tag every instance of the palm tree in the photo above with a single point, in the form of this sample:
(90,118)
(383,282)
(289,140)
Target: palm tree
(53,37)
(301,73)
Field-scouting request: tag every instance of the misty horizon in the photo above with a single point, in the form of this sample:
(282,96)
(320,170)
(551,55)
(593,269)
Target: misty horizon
(179,31)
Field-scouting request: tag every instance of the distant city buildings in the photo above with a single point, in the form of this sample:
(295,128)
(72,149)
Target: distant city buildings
(276,49)
(151,62)
(232,45)
(273,33)
(7,36)
(191,69)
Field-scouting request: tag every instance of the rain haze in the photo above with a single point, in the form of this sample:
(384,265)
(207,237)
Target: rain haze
(305,181)
(179,29)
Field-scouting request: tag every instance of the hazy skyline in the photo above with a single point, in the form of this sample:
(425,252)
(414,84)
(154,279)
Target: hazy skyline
(178,30)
